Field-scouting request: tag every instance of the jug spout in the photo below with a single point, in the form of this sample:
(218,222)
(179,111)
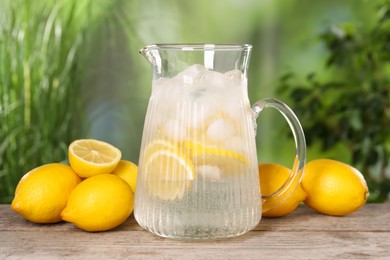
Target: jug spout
(152,54)
(149,53)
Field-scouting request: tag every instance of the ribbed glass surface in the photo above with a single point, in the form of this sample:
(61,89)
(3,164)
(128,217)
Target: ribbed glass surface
(198,174)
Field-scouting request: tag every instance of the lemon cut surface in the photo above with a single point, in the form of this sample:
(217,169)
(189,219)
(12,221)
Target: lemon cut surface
(89,157)
(168,173)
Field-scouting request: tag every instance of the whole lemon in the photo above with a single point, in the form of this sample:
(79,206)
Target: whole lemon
(334,188)
(99,203)
(42,193)
(127,171)
(272,177)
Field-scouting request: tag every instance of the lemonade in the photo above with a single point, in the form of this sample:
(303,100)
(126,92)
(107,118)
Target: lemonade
(198,174)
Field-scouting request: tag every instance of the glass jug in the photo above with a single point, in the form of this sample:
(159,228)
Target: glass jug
(198,170)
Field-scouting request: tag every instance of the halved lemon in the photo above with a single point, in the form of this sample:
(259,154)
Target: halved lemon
(89,157)
(230,162)
(167,173)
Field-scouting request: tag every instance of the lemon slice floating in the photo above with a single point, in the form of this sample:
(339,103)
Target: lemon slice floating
(230,162)
(159,144)
(89,157)
(167,173)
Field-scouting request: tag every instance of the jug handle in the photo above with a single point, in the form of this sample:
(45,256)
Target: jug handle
(300,151)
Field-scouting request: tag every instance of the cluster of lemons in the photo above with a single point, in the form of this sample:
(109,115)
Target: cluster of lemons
(96,192)
(328,186)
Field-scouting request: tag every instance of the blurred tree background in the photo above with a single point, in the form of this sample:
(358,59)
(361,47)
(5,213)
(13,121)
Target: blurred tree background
(71,69)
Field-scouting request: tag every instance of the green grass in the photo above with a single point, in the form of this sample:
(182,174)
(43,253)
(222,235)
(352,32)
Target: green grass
(46,49)
(40,80)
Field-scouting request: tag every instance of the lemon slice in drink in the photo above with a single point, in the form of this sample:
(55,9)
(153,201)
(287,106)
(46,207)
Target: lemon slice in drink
(167,173)
(230,162)
(89,157)
(159,144)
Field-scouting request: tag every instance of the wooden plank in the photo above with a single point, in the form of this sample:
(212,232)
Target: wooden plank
(302,235)
(138,244)
(372,217)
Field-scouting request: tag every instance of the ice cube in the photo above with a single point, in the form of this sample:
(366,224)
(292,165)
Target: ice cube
(237,109)
(195,108)
(191,75)
(208,172)
(214,79)
(234,75)
(220,129)
(197,117)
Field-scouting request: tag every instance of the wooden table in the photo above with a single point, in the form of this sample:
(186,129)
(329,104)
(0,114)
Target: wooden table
(303,234)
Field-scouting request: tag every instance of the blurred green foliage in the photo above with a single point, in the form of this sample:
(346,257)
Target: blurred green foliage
(44,54)
(353,107)
(39,78)
(71,68)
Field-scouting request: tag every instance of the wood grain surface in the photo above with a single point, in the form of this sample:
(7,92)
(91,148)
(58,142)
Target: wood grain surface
(304,234)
